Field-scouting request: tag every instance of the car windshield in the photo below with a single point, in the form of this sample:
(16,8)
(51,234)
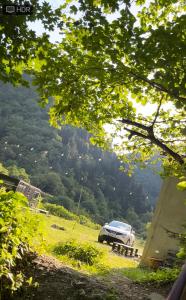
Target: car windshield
(120,225)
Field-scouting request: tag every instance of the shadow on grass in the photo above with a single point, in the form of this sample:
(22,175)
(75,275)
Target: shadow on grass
(53,280)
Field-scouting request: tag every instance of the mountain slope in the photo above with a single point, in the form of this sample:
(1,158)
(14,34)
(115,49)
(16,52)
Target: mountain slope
(63,163)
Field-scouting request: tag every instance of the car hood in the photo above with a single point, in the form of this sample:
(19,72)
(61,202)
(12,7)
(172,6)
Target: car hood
(115,229)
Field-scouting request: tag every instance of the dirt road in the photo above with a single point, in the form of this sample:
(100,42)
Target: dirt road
(58,282)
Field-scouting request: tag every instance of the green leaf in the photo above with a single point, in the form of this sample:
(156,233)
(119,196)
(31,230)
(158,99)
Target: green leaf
(181,185)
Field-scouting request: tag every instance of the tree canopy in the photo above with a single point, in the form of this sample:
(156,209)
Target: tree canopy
(20,46)
(112,55)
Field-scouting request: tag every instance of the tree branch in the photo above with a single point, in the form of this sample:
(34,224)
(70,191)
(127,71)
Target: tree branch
(152,83)
(175,155)
(133,132)
(157,112)
(156,85)
(173,234)
(143,119)
(151,137)
(136,124)
(173,141)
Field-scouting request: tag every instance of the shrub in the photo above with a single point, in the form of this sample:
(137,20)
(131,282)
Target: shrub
(18,227)
(85,253)
(182,252)
(142,275)
(163,275)
(60,211)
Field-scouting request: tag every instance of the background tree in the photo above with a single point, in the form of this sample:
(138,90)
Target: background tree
(3,170)
(63,163)
(18,173)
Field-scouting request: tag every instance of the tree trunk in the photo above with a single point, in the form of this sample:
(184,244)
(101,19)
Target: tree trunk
(183,295)
(178,291)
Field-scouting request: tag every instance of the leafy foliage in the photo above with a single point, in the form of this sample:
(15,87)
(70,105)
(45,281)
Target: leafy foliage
(164,275)
(18,227)
(60,211)
(83,252)
(18,173)
(106,63)
(20,47)
(109,59)
(181,185)
(182,253)
(3,170)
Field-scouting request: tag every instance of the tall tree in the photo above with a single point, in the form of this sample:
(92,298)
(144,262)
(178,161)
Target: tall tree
(110,58)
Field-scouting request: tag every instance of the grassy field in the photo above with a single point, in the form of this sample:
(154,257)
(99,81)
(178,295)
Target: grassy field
(110,264)
(83,234)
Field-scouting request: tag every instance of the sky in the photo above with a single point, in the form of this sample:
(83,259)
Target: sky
(55,36)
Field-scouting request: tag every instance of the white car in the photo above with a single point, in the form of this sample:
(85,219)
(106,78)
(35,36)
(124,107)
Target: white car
(117,231)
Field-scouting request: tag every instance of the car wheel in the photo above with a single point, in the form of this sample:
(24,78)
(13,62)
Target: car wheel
(100,239)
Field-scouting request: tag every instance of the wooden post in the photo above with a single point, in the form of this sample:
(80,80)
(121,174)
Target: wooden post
(114,246)
(126,251)
(123,250)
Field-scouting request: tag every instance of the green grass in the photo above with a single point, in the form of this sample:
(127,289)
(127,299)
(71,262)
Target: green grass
(77,247)
(83,235)
(164,275)
(82,238)
(60,211)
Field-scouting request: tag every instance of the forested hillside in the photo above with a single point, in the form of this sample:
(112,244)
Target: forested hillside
(64,164)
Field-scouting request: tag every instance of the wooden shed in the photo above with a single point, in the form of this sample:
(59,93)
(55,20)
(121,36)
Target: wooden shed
(18,185)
